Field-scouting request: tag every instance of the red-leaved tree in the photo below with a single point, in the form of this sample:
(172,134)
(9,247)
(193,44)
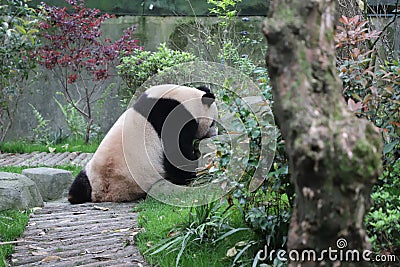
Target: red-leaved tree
(78,57)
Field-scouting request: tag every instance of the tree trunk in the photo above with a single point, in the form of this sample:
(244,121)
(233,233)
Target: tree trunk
(88,130)
(335,157)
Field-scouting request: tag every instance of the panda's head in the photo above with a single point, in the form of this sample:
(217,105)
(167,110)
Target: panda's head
(206,114)
(199,102)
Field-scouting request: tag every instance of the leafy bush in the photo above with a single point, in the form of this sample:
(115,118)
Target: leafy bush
(141,65)
(75,121)
(372,91)
(387,116)
(41,133)
(267,210)
(383,218)
(18,39)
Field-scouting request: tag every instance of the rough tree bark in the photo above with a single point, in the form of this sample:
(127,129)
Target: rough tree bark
(334,156)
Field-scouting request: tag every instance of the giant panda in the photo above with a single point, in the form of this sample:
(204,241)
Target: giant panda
(152,140)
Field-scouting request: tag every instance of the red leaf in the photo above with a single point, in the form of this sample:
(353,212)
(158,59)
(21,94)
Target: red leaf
(72,78)
(353,106)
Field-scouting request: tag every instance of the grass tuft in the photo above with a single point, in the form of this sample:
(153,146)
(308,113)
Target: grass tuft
(68,146)
(160,221)
(18,169)
(12,225)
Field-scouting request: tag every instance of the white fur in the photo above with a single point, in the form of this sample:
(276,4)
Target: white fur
(107,171)
(143,150)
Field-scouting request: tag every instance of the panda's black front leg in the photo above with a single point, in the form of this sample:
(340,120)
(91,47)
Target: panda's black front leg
(180,161)
(80,190)
(181,167)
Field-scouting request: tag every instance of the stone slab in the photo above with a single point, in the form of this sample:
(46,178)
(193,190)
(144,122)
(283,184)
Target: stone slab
(52,183)
(18,192)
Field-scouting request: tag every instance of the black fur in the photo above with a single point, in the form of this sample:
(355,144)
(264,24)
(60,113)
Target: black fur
(177,140)
(80,190)
(208,99)
(204,88)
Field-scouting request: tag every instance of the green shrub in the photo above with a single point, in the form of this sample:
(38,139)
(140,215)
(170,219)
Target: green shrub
(383,218)
(76,123)
(373,92)
(41,133)
(19,26)
(135,69)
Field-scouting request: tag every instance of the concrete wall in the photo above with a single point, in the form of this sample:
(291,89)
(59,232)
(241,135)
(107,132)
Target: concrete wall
(390,45)
(151,31)
(163,7)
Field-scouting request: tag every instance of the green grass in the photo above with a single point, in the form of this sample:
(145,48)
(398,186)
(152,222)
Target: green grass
(67,146)
(12,225)
(158,219)
(18,169)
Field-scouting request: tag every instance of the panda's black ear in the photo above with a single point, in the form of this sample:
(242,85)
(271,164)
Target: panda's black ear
(208,99)
(204,88)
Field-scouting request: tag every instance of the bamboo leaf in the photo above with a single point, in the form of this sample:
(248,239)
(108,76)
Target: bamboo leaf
(231,232)
(20,29)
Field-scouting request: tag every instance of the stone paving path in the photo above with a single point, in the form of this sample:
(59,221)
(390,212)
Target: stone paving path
(44,159)
(91,234)
(61,234)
